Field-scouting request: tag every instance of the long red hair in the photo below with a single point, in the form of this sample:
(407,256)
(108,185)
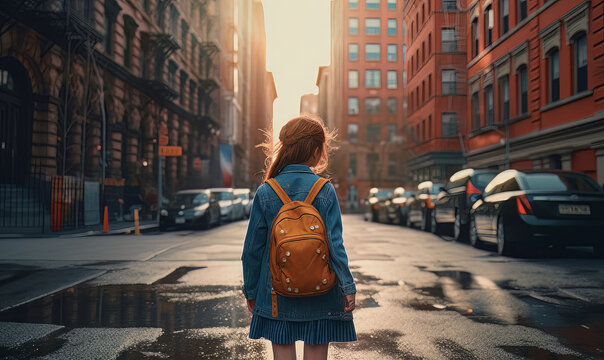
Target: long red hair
(298,141)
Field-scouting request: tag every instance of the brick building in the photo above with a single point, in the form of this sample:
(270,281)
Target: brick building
(360,94)
(536,85)
(434,87)
(92,80)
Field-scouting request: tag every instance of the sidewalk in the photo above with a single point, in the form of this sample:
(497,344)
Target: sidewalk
(115,228)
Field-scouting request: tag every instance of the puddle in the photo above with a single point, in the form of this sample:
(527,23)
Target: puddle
(453,351)
(198,344)
(160,306)
(463,278)
(531,352)
(36,348)
(382,342)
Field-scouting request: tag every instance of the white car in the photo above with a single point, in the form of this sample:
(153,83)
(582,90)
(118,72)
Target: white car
(231,208)
(246,200)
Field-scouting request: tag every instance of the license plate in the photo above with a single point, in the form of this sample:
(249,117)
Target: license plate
(179,221)
(565,209)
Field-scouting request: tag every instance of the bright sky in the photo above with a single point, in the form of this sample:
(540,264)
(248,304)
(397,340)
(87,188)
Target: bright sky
(297,42)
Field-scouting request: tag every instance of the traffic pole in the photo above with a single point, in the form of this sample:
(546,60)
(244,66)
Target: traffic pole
(137,230)
(106,219)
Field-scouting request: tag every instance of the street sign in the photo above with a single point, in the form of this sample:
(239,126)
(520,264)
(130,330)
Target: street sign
(163,140)
(170,151)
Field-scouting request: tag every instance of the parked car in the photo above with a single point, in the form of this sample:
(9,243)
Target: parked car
(528,208)
(393,210)
(231,208)
(451,213)
(421,205)
(190,208)
(370,206)
(246,200)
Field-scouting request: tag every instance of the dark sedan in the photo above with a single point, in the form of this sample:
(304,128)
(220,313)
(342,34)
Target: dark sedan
(394,209)
(536,208)
(190,208)
(420,207)
(451,212)
(371,206)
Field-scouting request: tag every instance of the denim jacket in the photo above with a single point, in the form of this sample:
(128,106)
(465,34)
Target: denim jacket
(296,180)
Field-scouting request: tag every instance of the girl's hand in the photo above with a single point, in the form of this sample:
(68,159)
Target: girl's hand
(250,304)
(349,302)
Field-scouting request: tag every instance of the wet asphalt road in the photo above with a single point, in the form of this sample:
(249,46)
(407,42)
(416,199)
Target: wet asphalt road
(176,295)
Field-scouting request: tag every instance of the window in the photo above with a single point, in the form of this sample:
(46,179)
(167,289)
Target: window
(352,164)
(391,132)
(110,17)
(146,5)
(429,43)
(404,52)
(353,4)
(475,112)
(184,32)
(373,105)
(392,52)
(489,23)
(353,52)
(372,79)
(353,106)
(129,32)
(353,132)
(372,26)
(192,88)
(580,62)
(554,76)
(353,79)
(172,74)
(488,105)
(391,164)
(391,79)
(372,4)
(372,162)
(522,90)
(448,40)
(174,21)
(504,16)
(372,52)
(430,85)
(353,26)
(449,4)
(449,125)
(475,38)
(449,82)
(404,79)
(183,82)
(504,94)
(423,52)
(521,10)
(391,105)
(373,133)
(391,27)
(404,28)
(391,4)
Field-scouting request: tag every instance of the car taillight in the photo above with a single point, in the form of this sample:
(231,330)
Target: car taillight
(429,203)
(375,206)
(471,189)
(523,205)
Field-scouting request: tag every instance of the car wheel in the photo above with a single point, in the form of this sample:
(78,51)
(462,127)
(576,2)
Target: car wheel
(425,226)
(433,225)
(474,239)
(504,247)
(162,228)
(408,222)
(460,231)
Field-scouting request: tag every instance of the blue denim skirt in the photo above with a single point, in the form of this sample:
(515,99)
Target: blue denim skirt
(312,332)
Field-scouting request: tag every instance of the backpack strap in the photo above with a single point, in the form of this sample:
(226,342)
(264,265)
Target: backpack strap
(314,191)
(279,190)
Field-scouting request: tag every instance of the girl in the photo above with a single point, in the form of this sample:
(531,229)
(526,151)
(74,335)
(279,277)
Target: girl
(301,151)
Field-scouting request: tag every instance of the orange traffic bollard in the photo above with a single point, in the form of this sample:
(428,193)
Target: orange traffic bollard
(106,220)
(137,230)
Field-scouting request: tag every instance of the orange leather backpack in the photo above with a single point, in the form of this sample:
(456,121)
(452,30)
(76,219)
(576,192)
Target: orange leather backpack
(299,249)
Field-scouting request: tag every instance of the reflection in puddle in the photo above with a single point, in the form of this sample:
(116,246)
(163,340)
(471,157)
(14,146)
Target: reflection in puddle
(161,306)
(381,341)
